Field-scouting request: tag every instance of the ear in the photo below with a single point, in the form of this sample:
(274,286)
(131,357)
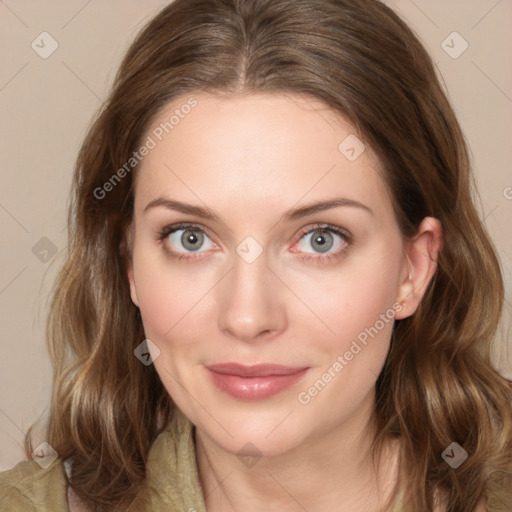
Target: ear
(420,264)
(131,280)
(128,254)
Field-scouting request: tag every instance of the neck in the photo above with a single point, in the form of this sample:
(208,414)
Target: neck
(333,471)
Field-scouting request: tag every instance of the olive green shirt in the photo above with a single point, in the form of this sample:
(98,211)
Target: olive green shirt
(172,479)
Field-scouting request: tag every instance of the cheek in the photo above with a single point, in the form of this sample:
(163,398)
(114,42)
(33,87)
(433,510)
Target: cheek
(169,295)
(357,306)
(352,299)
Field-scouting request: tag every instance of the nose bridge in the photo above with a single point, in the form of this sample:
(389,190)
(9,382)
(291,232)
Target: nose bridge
(249,304)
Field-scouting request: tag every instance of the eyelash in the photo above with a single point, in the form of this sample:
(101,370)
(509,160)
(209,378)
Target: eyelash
(319,258)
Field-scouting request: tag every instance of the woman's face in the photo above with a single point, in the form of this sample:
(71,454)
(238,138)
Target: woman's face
(266,278)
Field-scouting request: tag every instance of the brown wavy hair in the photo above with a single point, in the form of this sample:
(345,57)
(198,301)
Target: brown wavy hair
(438,384)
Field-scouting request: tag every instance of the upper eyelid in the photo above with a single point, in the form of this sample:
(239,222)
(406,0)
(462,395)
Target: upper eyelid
(326,227)
(172,228)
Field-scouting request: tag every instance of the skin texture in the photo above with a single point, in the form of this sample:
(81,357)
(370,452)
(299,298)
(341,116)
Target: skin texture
(250,159)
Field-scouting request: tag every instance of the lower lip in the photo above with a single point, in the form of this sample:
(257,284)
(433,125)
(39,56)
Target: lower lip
(255,388)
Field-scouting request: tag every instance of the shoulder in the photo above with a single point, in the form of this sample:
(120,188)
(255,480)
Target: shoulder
(29,487)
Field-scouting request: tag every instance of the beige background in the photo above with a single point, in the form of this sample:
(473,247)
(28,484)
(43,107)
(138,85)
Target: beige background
(46,106)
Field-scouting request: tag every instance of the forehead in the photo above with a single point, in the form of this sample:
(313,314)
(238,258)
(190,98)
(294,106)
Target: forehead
(255,152)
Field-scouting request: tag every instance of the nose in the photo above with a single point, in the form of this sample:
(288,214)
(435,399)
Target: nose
(250,300)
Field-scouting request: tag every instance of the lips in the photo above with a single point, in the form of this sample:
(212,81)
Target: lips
(255,382)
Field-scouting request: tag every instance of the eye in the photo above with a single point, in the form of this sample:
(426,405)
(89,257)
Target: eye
(328,241)
(183,239)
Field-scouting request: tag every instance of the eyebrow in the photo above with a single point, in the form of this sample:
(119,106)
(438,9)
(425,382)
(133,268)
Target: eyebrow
(293,214)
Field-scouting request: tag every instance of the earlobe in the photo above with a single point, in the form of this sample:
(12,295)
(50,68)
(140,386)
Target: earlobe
(420,264)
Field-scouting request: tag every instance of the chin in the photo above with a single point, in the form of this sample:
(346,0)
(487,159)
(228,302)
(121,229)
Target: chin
(269,434)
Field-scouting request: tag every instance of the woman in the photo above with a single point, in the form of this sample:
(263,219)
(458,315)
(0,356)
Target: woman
(278,292)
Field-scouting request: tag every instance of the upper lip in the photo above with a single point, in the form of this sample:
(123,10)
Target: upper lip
(257,370)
